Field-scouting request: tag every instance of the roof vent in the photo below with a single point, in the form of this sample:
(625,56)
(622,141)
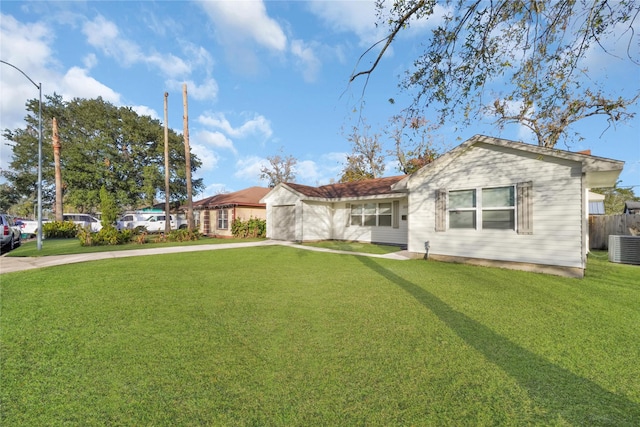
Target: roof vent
(624,249)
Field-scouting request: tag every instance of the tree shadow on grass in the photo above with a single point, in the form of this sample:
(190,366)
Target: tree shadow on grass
(558,391)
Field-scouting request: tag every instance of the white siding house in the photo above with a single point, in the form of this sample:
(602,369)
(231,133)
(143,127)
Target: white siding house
(359,211)
(493,201)
(488,201)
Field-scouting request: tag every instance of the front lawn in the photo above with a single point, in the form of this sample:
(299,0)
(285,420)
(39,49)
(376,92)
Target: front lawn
(282,336)
(73,246)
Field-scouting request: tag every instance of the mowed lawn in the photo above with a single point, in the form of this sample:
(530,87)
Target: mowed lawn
(280,336)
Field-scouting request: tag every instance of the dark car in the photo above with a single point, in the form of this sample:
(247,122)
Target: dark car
(9,233)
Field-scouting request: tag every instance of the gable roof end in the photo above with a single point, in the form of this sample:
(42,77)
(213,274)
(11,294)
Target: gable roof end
(599,171)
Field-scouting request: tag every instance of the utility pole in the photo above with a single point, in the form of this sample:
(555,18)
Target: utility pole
(167,218)
(187,157)
(56,159)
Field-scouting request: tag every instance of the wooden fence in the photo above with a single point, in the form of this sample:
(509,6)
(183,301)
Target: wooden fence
(601,226)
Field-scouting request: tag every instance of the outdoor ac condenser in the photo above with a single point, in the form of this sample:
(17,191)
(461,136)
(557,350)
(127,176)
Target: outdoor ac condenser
(624,249)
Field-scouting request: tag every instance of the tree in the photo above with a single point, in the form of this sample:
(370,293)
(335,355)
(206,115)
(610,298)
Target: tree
(366,159)
(413,146)
(281,168)
(615,197)
(103,145)
(521,61)
(8,197)
(108,208)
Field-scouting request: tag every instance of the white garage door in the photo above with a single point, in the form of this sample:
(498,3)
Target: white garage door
(284,223)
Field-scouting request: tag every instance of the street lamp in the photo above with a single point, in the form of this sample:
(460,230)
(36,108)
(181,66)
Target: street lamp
(39,86)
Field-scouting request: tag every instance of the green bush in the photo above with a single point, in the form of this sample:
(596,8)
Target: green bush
(183,235)
(253,227)
(107,236)
(60,229)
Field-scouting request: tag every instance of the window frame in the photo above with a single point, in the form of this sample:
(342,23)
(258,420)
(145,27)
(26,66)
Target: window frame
(361,214)
(478,209)
(222,216)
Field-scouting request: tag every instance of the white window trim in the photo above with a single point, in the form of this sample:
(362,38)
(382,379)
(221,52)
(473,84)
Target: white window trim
(478,209)
(392,214)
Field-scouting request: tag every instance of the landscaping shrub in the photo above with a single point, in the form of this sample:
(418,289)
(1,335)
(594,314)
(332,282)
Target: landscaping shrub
(253,227)
(60,229)
(107,236)
(183,235)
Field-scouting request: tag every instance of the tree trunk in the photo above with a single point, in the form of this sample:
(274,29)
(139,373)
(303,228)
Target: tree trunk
(187,158)
(56,159)
(167,218)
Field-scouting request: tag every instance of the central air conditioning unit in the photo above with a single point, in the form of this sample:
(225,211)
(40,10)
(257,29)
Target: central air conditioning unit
(624,249)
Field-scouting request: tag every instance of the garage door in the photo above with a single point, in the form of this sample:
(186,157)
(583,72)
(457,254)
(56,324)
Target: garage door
(284,223)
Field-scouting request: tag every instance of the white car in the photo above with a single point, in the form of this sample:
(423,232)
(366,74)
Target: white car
(84,220)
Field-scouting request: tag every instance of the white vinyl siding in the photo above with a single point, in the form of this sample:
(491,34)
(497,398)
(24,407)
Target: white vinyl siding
(395,232)
(552,207)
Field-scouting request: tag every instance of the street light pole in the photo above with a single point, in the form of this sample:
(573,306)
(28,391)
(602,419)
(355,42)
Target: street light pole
(39,213)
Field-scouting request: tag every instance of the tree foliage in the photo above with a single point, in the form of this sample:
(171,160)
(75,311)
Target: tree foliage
(366,159)
(281,168)
(615,197)
(521,61)
(413,145)
(102,146)
(108,208)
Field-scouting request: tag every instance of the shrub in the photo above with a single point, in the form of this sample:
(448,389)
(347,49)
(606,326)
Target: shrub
(253,227)
(107,236)
(60,229)
(183,235)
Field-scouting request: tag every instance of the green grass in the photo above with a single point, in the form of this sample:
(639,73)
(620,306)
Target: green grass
(72,246)
(281,336)
(369,248)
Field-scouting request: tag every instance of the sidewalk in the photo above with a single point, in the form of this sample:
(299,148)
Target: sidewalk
(14,264)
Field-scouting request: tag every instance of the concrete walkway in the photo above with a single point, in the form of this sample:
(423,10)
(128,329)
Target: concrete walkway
(13,264)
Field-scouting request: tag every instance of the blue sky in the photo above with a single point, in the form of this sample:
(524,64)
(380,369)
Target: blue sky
(263,78)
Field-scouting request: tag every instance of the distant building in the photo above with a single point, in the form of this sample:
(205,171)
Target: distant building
(218,212)
(596,204)
(631,207)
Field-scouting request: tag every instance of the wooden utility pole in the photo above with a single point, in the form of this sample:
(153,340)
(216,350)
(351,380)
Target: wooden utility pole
(167,218)
(56,159)
(187,158)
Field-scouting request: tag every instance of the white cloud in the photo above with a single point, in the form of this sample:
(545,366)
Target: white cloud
(16,39)
(245,20)
(76,83)
(215,139)
(143,110)
(306,60)
(248,168)
(208,157)
(208,90)
(105,36)
(357,17)
(258,125)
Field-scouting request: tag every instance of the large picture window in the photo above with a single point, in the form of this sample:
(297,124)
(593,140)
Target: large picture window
(372,214)
(492,208)
(486,208)
(223,219)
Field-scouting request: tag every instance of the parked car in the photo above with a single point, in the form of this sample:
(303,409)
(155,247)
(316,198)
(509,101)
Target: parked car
(30,228)
(84,220)
(153,222)
(9,233)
